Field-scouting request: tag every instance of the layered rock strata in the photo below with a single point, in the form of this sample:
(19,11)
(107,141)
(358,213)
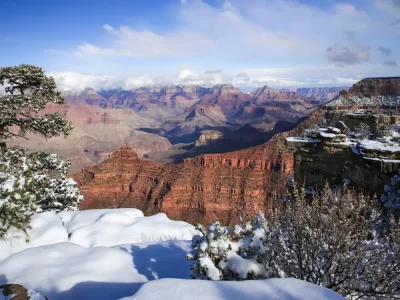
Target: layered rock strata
(230,185)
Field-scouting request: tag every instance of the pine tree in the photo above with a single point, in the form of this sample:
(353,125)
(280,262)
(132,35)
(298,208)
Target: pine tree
(28,91)
(33,182)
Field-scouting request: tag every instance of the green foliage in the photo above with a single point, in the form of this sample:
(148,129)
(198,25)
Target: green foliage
(34,182)
(28,91)
(209,250)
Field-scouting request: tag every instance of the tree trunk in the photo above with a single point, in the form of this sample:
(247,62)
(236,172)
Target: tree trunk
(3,145)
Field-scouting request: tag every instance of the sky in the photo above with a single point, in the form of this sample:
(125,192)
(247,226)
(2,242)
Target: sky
(125,44)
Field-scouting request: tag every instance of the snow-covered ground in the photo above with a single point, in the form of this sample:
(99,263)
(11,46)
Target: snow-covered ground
(110,254)
(271,289)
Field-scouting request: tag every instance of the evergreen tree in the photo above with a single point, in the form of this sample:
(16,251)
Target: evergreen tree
(33,182)
(27,91)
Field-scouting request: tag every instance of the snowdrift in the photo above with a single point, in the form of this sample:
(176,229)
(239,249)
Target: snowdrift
(284,289)
(95,228)
(111,253)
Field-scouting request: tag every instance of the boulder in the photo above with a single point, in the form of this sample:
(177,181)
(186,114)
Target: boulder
(19,292)
(342,127)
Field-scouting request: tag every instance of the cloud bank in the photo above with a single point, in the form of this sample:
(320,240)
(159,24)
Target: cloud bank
(281,43)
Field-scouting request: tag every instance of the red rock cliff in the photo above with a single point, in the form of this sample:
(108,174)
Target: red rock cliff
(202,189)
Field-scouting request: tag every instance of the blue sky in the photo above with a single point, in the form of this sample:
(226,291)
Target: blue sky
(280,43)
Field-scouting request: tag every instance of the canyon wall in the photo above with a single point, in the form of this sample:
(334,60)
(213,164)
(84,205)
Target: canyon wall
(229,185)
(201,189)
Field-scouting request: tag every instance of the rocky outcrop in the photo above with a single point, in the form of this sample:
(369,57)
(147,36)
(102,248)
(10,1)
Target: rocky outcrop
(367,164)
(224,97)
(227,185)
(207,137)
(174,98)
(370,93)
(320,161)
(380,86)
(320,93)
(18,292)
(199,190)
(211,186)
(266,94)
(97,132)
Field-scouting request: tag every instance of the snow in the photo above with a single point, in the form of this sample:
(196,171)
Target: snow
(296,139)
(383,160)
(241,266)
(75,220)
(33,295)
(284,289)
(67,271)
(328,135)
(95,254)
(45,228)
(346,142)
(334,130)
(111,253)
(361,100)
(212,271)
(378,146)
(114,228)
(94,228)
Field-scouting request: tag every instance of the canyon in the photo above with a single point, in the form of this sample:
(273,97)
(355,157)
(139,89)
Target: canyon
(228,186)
(168,124)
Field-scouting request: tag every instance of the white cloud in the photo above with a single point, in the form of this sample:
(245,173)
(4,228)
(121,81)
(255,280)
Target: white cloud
(185,74)
(108,27)
(126,41)
(334,45)
(327,75)
(234,30)
(77,82)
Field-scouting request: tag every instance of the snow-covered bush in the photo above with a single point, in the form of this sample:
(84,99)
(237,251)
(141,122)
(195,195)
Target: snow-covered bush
(209,250)
(32,183)
(215,259)
(313,132)
(383,131)
(363,131)
(254,242)
(391,197)
(330,239)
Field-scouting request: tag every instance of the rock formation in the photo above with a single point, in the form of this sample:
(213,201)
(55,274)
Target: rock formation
(367,164)
(321,93)
(18,292)
(228,185)
(97,132)
(224,100)
(210,186)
